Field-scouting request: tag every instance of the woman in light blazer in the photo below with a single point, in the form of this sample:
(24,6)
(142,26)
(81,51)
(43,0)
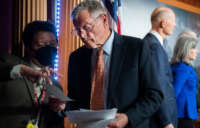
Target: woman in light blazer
(185,80)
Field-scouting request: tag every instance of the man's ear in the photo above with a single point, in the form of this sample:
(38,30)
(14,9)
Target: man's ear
(163,23)
(104,18)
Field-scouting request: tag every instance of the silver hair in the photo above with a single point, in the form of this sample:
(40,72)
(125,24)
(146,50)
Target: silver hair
(94,7)
(188,33)
(182,48)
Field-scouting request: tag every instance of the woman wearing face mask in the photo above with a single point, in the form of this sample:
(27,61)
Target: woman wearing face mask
(24,103)
(185,80)
(40,42)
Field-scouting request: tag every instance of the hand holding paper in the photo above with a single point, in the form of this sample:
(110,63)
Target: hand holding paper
(57,99)
(120,122)
(56,104)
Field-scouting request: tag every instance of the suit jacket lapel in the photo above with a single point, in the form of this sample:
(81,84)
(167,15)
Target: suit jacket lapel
(86,72)
(87,55)
(116,63)
(30,88)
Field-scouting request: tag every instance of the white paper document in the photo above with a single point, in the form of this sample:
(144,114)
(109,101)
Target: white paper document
(92,118)
(95,124)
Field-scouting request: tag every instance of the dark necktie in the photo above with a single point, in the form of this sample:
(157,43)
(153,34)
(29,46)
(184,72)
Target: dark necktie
(97,90)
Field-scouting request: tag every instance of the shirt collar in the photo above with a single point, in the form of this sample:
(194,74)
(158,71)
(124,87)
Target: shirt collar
(157,35)
(107,47)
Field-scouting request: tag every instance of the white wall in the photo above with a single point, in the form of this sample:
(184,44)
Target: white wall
(136,20)
(136,16)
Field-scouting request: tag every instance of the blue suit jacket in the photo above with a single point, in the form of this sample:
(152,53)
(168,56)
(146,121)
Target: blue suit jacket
(167,113)
(185,85)
(133,87)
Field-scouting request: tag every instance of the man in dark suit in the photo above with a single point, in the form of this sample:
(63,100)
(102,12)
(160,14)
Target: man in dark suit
(23,101)
(163,23)
(130,82)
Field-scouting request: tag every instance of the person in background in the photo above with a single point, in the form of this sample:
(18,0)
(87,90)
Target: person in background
(163,23)
(23,87)
(188,33)
(129,82)
(185,80)
(192,34)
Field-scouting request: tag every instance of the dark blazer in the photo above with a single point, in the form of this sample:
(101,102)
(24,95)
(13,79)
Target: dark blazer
(17,99)
(133,87)
(6,64)
(167,112)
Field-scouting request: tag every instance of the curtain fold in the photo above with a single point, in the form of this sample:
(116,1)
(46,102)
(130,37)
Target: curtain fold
(67,44)
(25,12)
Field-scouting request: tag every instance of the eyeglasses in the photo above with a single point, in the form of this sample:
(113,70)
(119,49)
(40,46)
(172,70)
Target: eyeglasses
(86,28)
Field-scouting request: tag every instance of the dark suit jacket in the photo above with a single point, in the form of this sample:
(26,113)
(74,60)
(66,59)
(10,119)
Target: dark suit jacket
(133,87)
(6,64)
(168,111)
(17,99)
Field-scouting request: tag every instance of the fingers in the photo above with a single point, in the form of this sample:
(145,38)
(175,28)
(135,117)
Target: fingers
(113,124)
(36,75)
(47,71)
(62,106)
(121,122)
(169,126)
(55,104)
(48,80)
(54,72)
(46,74)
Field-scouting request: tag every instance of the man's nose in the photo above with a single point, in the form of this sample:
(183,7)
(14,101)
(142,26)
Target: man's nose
(82,33)
(175,24)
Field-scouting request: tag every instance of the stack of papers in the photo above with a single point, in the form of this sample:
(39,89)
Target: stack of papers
(92,119)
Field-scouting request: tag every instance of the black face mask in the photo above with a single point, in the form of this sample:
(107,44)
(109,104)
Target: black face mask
(46,55)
